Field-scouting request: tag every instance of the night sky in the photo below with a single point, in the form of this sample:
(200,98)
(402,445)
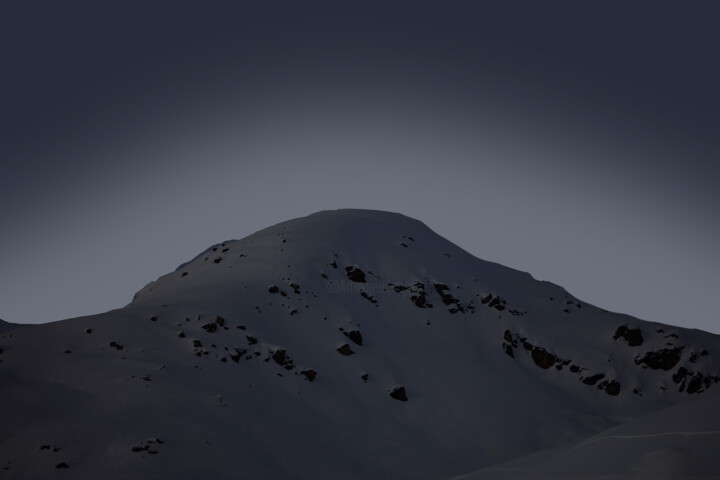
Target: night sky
(576,141)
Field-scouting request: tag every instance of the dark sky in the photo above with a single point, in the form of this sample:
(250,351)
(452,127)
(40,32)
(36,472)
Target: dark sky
(576,141)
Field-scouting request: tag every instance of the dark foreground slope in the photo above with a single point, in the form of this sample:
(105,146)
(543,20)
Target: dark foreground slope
(346,344)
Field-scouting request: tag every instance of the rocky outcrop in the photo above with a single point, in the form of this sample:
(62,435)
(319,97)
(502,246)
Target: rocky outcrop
(693,382)
(664,359)
(542,358)
(633,336)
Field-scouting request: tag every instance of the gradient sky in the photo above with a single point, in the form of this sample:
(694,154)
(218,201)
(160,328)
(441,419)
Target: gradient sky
(577,141)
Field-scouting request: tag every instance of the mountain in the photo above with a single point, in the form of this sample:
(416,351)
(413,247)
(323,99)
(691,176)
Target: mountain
(346,344)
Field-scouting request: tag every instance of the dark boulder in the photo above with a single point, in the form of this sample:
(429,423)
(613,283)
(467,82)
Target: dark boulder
(210,327)
(419,300)
(612,387)
(542,358)
(355,336)
(355,274)
(593,379)
(309,374)
(398,393)
(345,350)
(279,356)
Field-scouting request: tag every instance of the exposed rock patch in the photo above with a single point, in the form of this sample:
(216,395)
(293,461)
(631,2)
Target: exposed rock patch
(309,374)
(633,336)
(664,359)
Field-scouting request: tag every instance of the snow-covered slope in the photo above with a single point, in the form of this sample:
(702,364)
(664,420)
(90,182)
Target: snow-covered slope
(346,344)
(680,442)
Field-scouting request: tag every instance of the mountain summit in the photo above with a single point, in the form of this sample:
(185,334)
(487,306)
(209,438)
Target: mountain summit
(345,344)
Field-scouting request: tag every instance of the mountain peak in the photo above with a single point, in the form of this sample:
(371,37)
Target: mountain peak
(391,246)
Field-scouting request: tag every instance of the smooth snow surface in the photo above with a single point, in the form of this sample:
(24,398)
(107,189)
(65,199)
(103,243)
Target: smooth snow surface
(282,355)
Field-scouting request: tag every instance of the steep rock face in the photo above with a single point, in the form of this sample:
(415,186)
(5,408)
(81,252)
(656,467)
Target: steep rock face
(346,344)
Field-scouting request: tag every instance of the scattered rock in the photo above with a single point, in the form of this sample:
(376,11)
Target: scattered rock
(116,345)
(279,356)
(181,334)
(239,352)
(542,358)
(364,377)
(398,393)
(62,465)
(309,374)
(210,327)
(355,336)
(593,379)
(633,336)
(611,387)
(345,350)
(89,330)
(355,274)
(368,297)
